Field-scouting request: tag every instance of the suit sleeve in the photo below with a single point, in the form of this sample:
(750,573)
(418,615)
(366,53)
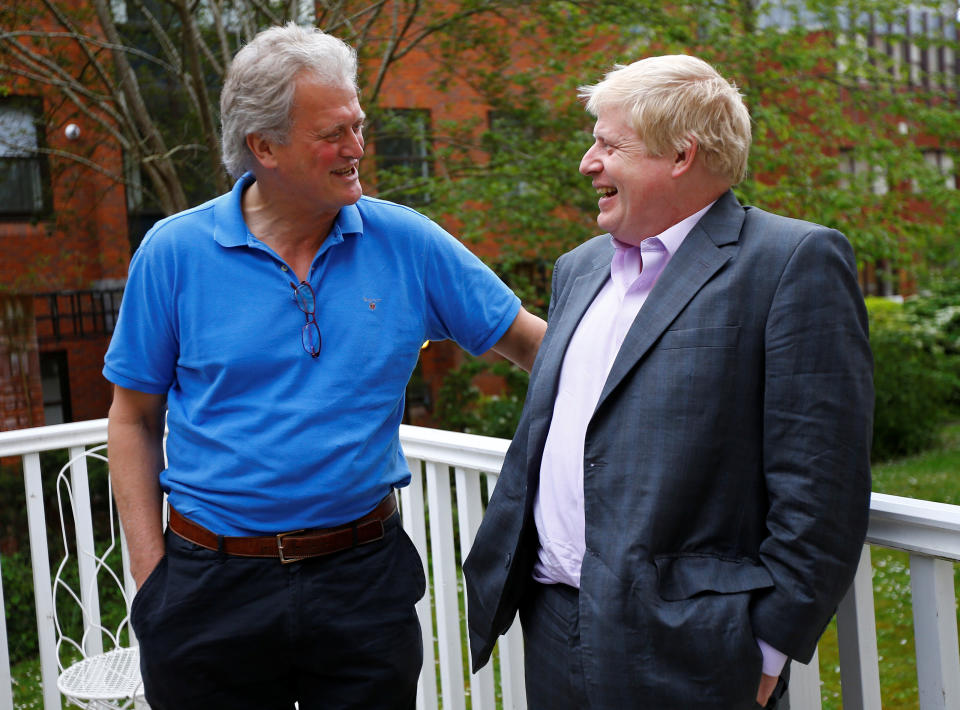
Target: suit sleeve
(817,422)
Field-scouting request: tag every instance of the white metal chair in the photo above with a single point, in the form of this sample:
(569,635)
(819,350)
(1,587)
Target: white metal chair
(89,675)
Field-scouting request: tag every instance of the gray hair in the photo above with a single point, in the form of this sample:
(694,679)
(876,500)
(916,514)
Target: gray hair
(672,99)
(258,93)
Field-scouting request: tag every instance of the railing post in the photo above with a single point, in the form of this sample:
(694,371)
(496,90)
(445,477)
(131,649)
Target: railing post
(935,632)
(510,652)
(803,691)
(445,579)
(39,554)
(469,514)
(86,552)
(412,509)
(512,681)
(857,638)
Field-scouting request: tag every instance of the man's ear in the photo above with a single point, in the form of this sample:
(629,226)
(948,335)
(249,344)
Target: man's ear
(683,161)
(262,149)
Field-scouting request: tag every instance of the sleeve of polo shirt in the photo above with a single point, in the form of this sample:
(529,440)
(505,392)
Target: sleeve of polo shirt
(143,349)
(467,302)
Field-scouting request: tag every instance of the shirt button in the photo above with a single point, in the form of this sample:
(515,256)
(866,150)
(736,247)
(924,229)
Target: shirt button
(283,267)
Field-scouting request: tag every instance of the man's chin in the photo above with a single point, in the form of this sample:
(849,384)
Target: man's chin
(355,197)
(607,225)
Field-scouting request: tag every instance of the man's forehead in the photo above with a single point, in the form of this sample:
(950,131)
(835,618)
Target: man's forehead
(609,125)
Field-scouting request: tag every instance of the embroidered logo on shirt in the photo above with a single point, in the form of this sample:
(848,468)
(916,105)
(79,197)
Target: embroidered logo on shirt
(372,302)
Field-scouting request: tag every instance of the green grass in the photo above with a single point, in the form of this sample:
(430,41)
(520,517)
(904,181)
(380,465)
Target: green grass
(932,475)
(27,691)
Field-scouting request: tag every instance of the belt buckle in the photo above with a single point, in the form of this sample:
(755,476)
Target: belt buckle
(284,560)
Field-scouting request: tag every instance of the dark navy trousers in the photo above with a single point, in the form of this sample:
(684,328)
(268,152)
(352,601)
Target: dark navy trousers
(331,633)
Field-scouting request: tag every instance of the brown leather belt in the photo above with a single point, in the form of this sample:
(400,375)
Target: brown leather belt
(290,546)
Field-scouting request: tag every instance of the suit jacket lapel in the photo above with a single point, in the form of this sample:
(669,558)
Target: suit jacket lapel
(699,257)
(579,295)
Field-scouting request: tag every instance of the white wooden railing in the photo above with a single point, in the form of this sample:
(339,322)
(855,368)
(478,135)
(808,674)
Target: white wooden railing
(453,476)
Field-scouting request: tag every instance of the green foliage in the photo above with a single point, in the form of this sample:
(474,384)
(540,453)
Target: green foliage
(939,305)
(914,379)
(18,598)
(841,135)
(461,406)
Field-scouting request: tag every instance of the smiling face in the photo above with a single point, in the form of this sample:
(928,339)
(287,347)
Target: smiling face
(636,190)
(317,166)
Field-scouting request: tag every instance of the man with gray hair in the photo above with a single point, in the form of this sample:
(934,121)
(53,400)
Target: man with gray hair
(276,327)
(685,499)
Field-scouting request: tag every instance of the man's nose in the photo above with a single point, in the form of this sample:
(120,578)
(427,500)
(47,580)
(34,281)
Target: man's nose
(589,164)
(353,147)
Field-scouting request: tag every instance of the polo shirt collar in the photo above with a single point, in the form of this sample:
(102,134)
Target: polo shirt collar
(230,230)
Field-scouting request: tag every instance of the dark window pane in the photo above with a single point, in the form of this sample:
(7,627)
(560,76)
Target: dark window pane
(402,146)
(21,186)
(23,174)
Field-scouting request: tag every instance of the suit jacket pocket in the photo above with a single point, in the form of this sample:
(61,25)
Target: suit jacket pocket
(683,576)
(717,337)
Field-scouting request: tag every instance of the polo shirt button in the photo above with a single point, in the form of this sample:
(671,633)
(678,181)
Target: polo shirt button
(283,267)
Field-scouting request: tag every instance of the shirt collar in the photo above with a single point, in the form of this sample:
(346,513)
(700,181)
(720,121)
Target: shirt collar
(672,237)
(230,230)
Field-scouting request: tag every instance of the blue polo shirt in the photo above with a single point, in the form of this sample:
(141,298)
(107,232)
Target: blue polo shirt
(263,437)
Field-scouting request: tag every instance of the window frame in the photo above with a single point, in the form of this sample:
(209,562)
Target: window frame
(420,160)
(20,212)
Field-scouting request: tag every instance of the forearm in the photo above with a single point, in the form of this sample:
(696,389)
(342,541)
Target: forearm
(135,445)
(522,340)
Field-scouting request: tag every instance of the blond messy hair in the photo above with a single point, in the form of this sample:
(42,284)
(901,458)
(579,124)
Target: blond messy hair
(673,99)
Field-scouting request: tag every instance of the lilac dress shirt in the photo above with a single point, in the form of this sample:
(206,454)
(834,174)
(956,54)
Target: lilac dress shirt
(558,508)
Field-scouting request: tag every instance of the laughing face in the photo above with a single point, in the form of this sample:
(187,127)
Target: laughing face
(635,188)
(318,163)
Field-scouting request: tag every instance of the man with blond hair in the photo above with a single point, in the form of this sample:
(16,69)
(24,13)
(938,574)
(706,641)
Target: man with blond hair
(686,496)
(275,327)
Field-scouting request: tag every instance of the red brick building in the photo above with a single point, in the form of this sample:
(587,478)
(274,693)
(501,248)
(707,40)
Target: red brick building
(63,257)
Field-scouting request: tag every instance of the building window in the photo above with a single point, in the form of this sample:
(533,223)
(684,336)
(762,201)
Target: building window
(880,278)
(143,210)
(530,279)
(401,138)
(914,45)
(55,382)
(76,315)
(943,164)
(23,168)
(853,166)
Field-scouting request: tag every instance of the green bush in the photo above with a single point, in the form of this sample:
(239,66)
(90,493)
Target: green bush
(461,406)
(914,379)
(18,600)
(938,312)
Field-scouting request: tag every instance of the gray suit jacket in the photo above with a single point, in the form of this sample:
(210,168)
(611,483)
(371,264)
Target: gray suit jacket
(726,466)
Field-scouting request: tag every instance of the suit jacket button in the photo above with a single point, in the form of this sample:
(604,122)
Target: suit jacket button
(506,563)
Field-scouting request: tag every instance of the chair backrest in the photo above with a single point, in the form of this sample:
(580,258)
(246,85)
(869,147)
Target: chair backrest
(92,587)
